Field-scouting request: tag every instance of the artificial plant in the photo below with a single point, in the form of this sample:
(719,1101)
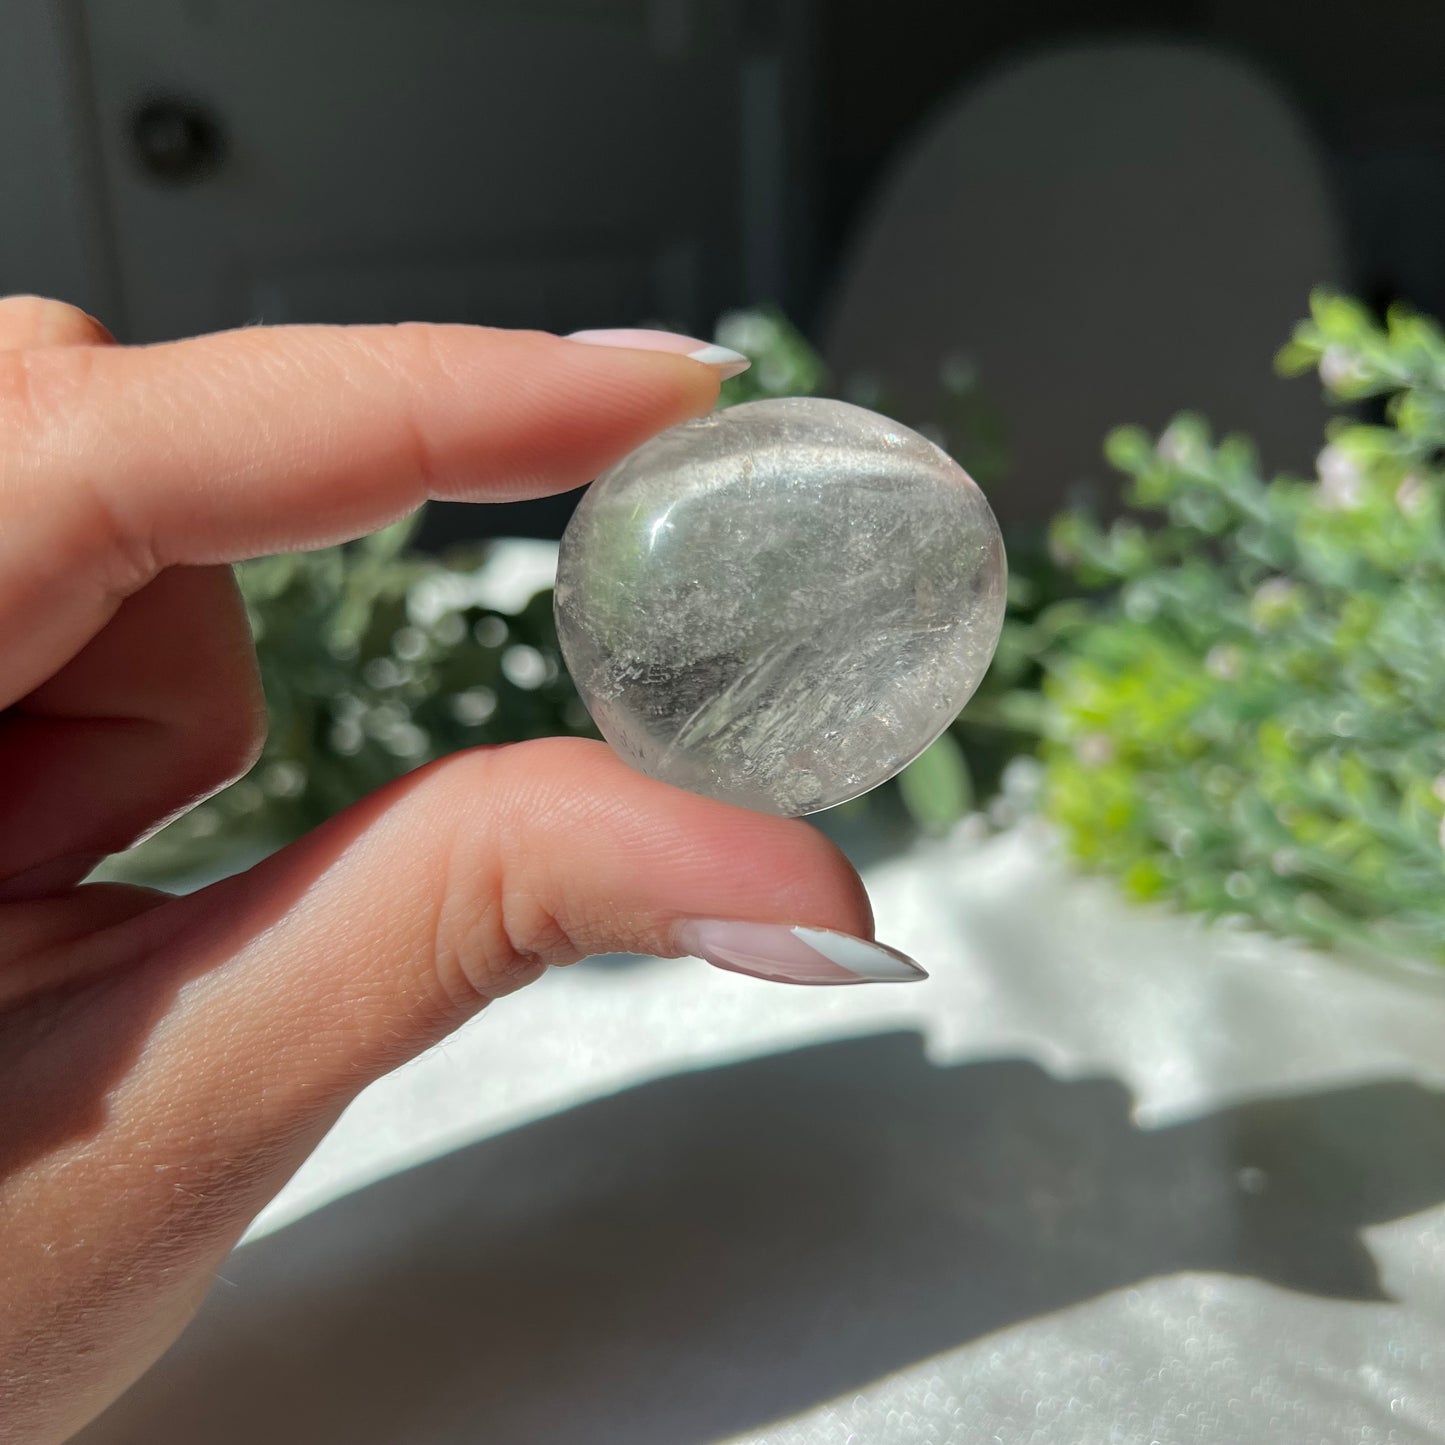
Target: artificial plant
(1252,722)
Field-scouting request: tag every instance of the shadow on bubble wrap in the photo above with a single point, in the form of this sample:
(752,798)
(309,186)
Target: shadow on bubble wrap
(706,1253)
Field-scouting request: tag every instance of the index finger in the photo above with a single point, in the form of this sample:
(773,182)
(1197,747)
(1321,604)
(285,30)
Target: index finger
(119,462)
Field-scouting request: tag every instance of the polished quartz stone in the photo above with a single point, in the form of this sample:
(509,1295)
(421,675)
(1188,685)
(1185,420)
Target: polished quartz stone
(781,604)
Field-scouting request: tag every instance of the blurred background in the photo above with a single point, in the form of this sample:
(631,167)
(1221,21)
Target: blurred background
(1109,211)
(1156,1154)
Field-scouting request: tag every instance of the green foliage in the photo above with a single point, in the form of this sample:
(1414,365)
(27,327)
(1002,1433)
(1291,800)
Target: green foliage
(937,787)
(784,364)
(1250,722)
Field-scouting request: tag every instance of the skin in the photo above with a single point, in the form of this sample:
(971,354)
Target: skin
(166,1063)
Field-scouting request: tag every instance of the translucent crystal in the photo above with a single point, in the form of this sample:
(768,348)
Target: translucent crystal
(781,604)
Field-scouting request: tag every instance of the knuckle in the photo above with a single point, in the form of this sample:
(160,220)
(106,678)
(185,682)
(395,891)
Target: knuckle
(41,388)
(46,417)
(47,349)
(234,746)
(419,360)
(223,725)
(219,743)
(242,725)
(42,321)
(495,929)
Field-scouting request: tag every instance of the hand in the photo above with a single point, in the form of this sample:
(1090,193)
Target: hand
(166,1063)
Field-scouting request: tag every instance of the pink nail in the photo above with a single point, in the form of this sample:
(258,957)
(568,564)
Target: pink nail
(728,362)
(795,955)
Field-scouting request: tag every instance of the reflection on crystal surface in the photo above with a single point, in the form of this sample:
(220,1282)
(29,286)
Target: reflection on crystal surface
(781,604)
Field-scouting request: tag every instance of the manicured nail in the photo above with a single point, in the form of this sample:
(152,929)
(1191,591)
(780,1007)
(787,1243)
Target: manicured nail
(728,362)
(795,955)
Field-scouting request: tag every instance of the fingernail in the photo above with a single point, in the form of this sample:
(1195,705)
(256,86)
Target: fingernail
(795,955)
(728,362)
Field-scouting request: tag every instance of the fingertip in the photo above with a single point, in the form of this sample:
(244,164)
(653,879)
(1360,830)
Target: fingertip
(594,405)
(561,412)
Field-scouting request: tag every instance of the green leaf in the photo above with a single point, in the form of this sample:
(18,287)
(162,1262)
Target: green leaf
(1129,448)
(936,787)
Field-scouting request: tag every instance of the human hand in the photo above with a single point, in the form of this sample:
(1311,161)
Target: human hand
(166,1063)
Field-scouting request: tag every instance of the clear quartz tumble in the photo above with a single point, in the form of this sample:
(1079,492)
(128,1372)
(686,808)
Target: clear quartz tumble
(781,604)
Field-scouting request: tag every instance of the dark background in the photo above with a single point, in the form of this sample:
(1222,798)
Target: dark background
(183,165)
(1368,78)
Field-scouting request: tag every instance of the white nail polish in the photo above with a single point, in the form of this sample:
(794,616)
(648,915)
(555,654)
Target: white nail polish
(870,961)
(787,954)
(728,362)
(724,359)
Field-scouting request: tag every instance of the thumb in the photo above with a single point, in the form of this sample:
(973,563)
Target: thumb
(185,1084)
(385,929)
